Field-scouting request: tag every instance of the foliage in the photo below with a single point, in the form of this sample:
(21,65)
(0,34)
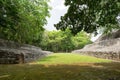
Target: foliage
(80,40)
(89,15)
(63,41)
(23,20)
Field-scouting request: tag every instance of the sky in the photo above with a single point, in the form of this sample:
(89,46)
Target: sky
(58,10)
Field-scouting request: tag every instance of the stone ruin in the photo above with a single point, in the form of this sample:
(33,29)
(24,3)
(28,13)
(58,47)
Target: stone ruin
(107,47)
(14,53)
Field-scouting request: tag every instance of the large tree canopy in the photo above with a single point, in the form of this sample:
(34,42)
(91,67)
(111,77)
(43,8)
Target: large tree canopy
(89,15)
(23,20)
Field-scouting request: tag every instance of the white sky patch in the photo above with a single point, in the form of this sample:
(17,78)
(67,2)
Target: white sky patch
(61,6)
(94,38)
(118,17)
(58,10)
(51,1)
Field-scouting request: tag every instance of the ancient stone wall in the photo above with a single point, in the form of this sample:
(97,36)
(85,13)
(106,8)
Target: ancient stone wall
(13,53)
(107,47)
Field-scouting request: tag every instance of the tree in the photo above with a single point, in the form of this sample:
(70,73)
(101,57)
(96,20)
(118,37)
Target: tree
(89,15)
(81,39)
(23,20)
(63,41)
(9,13)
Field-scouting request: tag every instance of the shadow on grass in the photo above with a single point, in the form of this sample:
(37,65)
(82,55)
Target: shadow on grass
(82,71)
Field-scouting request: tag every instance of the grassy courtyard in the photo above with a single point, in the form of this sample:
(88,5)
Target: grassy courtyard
(68,58)
(63,67)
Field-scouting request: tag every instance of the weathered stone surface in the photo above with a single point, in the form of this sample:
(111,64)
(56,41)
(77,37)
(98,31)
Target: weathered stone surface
(113,35)
(107,46)
(11,52)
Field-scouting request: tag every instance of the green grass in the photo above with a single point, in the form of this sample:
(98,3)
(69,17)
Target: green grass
(96,71)
(63,67)
(62,58)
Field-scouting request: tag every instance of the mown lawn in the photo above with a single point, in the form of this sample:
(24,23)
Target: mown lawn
(68,58)
(82,68)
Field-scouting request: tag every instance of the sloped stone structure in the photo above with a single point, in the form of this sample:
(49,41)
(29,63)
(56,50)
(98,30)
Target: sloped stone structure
(107,47)
(13,53)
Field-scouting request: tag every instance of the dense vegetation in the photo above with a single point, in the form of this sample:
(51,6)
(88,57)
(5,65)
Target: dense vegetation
(63,41)
(23,20)
(90,15)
